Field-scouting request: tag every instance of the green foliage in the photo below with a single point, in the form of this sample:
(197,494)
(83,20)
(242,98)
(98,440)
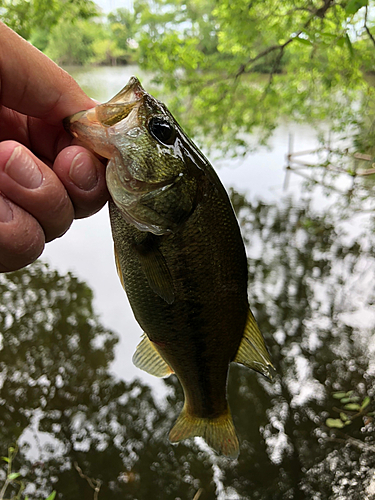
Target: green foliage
(121,27)
(66,32)
(84,42)
(352,407)
(12,480)
(71,43)
(209,55)
(34,19)
(123,24)
(229,69)
(353,6)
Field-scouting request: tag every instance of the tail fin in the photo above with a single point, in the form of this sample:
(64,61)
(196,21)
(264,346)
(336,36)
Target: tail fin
(219,432)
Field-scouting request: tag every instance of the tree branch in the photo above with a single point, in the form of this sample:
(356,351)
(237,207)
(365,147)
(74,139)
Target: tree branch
(265,52)
(321,12)
(95,484)
(368,30)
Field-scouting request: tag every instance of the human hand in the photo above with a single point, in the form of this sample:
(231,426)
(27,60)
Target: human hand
(45,180)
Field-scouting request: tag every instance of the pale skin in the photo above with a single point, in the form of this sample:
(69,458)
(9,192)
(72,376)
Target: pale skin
(46,180)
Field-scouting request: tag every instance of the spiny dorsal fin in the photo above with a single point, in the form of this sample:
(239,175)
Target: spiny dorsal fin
(118,267)
(156,270)
(219,432)
(147,358)
(253,351)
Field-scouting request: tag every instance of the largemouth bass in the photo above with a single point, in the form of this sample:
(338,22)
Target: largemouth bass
(180,258)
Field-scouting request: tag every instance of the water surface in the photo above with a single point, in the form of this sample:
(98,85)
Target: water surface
(87,428)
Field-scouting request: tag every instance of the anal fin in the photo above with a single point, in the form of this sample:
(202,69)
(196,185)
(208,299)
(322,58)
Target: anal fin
(253,351)
(148,359)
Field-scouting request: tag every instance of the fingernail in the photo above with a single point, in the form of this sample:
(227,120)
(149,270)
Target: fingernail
(83,173)
(22,169)
(6,213)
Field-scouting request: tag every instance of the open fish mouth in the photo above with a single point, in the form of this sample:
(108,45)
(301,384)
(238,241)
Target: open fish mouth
(102,114)
(91,126)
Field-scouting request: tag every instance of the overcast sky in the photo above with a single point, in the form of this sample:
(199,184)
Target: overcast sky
(109,5)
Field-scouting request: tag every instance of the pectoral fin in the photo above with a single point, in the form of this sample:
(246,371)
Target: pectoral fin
(253,351)
(156,270)
(147,358)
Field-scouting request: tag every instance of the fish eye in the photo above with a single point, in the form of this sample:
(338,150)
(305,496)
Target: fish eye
(162,130)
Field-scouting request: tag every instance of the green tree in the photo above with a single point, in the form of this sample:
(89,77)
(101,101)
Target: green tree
(210,54)
(34,19)
(123,25)
(73,43)
(118,46)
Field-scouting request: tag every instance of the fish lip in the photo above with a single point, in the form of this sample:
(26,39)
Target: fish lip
(129,96)
(133,90)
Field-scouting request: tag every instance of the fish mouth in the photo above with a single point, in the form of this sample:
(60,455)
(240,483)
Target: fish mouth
(91,127)
(94,128)
(101,115)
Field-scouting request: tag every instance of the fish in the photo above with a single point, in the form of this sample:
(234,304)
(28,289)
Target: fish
(180,258)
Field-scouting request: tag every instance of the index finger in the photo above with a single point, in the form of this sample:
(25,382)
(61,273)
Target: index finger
(32,84)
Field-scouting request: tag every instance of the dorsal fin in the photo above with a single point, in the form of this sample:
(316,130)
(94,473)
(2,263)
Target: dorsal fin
(253,351)
(147,358)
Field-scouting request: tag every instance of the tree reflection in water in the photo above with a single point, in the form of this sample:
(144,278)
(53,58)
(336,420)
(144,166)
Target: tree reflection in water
(311,289)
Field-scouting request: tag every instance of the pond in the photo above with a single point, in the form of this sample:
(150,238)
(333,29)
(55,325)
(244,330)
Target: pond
(90,425)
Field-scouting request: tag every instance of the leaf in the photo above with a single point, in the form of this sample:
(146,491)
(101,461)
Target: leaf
(13,476)
(339,395)
(327,35)
(353,6)
(6,459)
(304,41)
(344,417)
(349,45)
(352,406)
(52,496)
(335,422)
(365,403)
(351,399)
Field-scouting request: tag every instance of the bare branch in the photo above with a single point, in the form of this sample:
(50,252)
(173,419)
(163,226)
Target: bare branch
(95,484)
